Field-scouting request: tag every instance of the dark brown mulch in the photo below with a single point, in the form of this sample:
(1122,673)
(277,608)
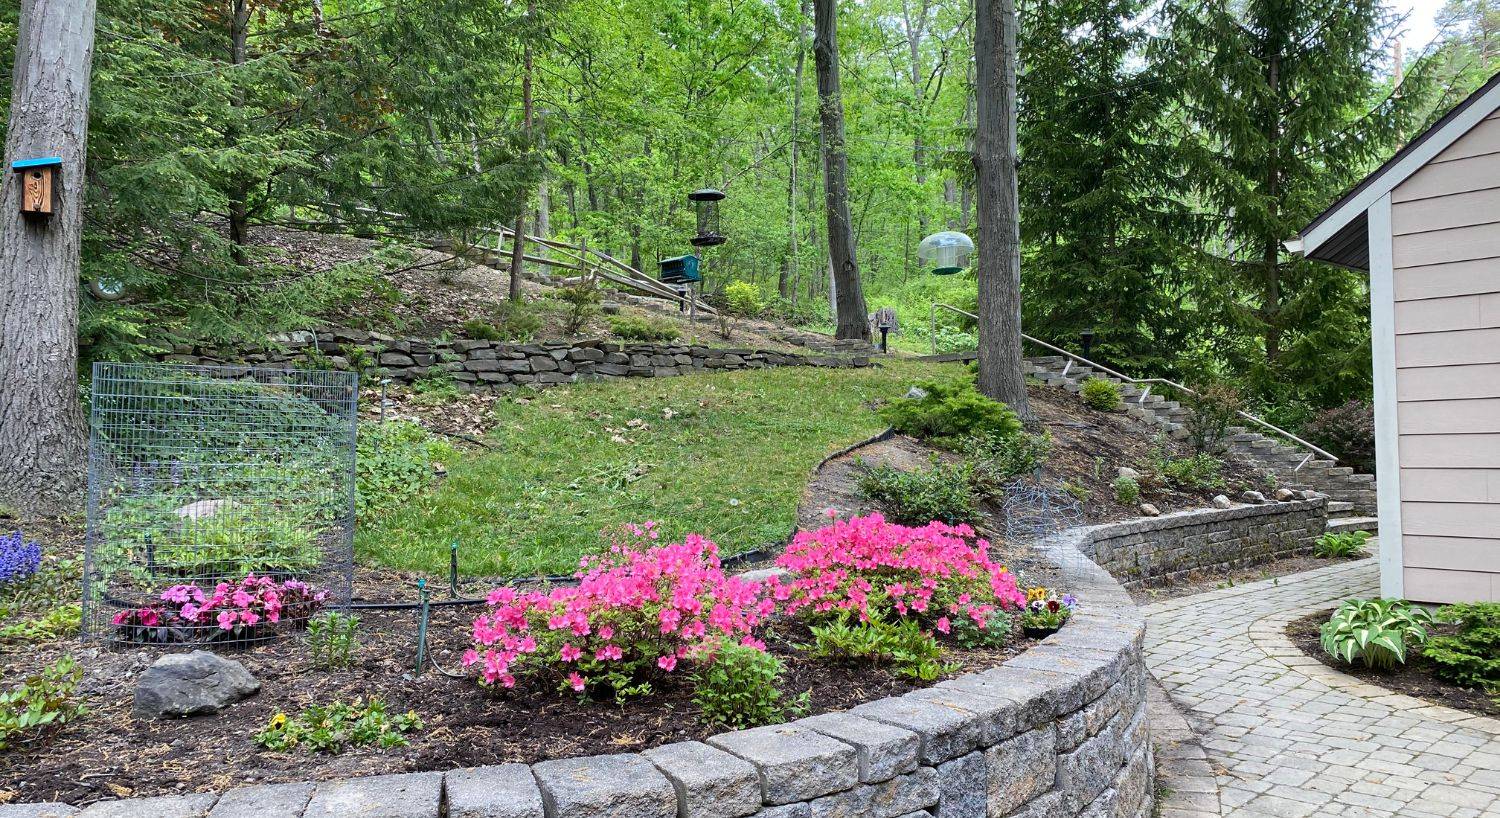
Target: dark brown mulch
(110,754)
(1416,678)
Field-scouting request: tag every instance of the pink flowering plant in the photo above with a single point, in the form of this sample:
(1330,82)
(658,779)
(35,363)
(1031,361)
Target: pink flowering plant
(868,569)
(230,611)
(637,615)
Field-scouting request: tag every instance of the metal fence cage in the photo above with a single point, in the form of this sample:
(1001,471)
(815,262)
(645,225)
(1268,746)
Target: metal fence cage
(220,504)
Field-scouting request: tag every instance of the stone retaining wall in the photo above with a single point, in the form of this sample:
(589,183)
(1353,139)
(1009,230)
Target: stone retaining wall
(1057,731)
(1153,550)
(491,366)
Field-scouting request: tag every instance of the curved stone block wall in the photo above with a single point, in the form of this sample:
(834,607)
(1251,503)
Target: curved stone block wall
(1153,550)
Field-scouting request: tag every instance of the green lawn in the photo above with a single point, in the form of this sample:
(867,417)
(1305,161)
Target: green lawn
(729,460)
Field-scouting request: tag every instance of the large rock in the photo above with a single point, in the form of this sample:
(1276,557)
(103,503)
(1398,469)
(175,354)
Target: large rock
(191,684)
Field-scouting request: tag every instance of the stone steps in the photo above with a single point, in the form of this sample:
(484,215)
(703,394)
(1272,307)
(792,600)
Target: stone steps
(1290,463)
(1343,525)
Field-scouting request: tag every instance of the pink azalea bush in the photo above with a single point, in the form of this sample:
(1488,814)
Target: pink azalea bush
(636,615)
(876,570)
(232,610)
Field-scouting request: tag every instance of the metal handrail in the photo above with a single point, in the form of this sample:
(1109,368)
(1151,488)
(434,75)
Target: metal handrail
(1314,450)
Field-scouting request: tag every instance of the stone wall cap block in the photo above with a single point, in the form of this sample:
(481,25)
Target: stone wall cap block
(785,811)
(946,731)
(710,783)
(884,751)
(408,795)
(997,716)
(503,791)
(167,806)
(1092,671)
(795,763)
(43,809)
(1056,693)
(264,801)
(610,786)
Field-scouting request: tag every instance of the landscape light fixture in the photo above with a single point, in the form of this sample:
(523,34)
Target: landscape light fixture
(1087,337)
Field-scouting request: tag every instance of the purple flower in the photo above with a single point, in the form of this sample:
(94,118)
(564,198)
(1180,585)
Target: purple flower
(1070,601)
(19,559)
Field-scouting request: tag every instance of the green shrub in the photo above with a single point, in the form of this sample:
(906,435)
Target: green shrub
(995,633)
(1470,657)
(636,328)
(907,648)
(738,690)
(334,728)
(58,623)
(1100,394)
(580,303)
(435,390)
(1127,490)
(394,464)
(1375,631)
(945,412)
(918,497)
(1212,411)
(332,639)
(1348,545)
(740,299)
(1078,492)
(998,459)
(481,330)
(44,700)
(1201,471)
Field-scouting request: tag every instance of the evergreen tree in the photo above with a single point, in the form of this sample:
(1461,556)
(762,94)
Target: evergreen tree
(1282,110)
(1104,227)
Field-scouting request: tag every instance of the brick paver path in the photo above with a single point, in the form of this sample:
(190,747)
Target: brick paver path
(1287,736)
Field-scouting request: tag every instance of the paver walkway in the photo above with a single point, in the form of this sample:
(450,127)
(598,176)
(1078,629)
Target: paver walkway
(1287,736)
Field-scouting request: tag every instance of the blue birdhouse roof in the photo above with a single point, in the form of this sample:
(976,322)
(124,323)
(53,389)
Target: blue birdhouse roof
(42,162)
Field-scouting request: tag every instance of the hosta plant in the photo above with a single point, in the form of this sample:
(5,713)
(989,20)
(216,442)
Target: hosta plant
(1376,632)
(636,613)
(1347,545)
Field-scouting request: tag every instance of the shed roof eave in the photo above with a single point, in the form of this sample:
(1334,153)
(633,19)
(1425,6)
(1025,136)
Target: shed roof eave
(1334,221)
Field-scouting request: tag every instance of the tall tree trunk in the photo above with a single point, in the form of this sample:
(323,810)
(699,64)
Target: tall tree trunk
(518,249)
(42,434)
(998,204)
(239,194)
(784,285)
(1271,254)
(851,313)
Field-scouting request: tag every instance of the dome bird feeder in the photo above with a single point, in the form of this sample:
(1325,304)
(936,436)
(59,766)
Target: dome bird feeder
(706,205)
(948,252)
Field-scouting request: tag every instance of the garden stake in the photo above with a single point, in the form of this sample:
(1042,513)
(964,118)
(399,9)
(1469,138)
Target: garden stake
(453,570)
(422,626)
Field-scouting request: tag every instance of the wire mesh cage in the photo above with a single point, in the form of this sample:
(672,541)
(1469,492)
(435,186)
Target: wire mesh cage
(1034,511)
(220,503)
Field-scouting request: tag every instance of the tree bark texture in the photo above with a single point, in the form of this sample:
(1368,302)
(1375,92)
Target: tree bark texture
(785,287)
(998,207)
(518,249)
(43,445)
(852,318)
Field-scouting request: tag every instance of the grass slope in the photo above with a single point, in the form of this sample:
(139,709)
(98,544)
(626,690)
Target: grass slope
(726,455)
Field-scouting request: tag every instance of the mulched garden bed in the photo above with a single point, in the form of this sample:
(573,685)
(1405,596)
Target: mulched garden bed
(110,754)
(1416,678)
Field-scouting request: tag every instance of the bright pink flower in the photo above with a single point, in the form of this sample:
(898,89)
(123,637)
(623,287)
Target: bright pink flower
(667,663)
(576,682)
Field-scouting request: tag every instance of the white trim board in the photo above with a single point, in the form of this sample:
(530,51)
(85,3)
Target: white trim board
(1387,432)
(1381,186)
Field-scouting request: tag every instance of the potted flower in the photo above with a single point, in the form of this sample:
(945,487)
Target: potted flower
(1045,612)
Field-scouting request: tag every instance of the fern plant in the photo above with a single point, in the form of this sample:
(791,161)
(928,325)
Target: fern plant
(1375,631)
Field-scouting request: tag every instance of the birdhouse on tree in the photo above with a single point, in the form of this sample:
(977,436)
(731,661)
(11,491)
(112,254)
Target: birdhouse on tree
(38,181)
